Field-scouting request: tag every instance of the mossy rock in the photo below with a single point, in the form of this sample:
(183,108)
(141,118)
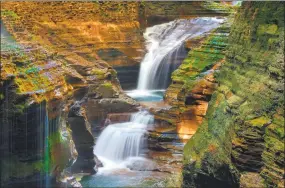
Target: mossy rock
(106,90)
(259,122)
(267,29)
(250,96)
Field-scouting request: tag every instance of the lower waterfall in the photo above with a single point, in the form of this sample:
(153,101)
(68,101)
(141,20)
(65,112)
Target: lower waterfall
(120,141)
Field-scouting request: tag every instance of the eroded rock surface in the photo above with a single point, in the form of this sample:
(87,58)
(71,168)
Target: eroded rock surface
(239,134)
(83,140)
(38,85)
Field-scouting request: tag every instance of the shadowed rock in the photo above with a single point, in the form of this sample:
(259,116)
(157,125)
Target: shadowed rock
(83,140)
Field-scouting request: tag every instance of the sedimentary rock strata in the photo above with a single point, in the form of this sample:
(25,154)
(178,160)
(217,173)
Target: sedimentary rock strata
(237,134)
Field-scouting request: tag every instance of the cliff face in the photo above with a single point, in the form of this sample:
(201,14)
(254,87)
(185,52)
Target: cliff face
(193,82)
(157,12)
(84,30)
(41,122)
(109,31)
(241,140)
(54,58)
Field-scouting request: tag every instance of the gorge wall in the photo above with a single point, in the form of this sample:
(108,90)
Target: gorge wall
(44,94)
(241,140)
(55,81)
(58,79)
(109,31)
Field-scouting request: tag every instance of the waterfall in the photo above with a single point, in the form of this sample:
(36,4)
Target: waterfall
(165,49)
(123,140)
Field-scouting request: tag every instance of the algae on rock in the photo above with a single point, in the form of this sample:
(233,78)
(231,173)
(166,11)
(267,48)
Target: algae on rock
(238,132)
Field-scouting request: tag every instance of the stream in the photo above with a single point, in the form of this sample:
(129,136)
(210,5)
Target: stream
(123,148)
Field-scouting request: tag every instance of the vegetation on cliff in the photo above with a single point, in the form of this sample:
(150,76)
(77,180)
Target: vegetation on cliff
(38,85)
(238,132)
(57,81)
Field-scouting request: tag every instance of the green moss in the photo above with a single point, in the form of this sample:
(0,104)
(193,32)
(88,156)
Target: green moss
(173,180)
(98,71)
(18,169)
(34,70)
(235,101)
(259,122)
(2,96)
(107,85)
(211,135)
(200,60)
(275,129)
(9,13)
(21,107)
(148,183)
(59,152)
(251,72)
(54,139)
(219,7)
(274,144)
(267,29)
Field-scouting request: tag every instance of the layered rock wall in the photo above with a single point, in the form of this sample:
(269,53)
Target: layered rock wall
(241,140)
(193,82)
(109,31)
(38,86)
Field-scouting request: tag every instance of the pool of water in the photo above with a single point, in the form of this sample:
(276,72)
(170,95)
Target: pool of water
(121,179)
(111,180)
(118,175)
(146,95)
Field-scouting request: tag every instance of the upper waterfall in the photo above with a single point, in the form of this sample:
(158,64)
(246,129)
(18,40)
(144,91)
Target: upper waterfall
(165,49)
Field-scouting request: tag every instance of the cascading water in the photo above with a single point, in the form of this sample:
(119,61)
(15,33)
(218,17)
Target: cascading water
(165,49)
(123,140)
(121,145)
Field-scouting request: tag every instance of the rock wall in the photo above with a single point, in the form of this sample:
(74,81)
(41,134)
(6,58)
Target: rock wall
(193,82)
(241,140)
(159,12)
(109,31)
(33,140)
(38,87)
(54,58)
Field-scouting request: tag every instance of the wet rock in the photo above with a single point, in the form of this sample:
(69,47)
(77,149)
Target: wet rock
(105,106)
(128,76)
(98,162)
(142,164)
(250,179)
(83,140)
(118,117)
(248,145)
(238,143)
(70,182)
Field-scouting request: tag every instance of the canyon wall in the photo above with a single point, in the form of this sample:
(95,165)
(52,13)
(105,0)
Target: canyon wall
(193,82)
(158,12)
(241,140)
(109,31)
(44,96)
(57,79)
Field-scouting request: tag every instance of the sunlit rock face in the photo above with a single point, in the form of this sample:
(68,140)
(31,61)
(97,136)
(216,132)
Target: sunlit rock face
(193,83)
(240,140)
(31,109)
(109,31)
(38,85)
